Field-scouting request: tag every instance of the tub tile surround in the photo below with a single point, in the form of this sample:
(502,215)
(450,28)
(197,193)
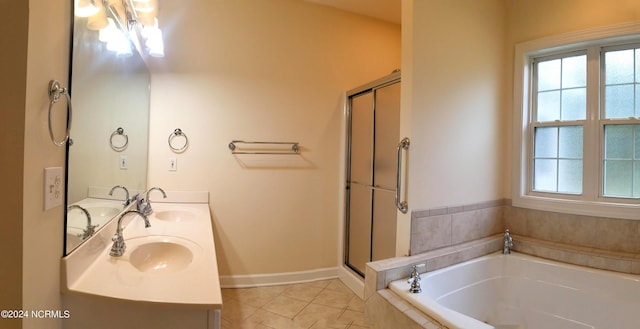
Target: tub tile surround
(446,236)
(604,243)
(610,234)
(447,226)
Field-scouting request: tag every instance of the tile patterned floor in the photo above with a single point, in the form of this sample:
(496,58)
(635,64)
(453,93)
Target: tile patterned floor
(315,305)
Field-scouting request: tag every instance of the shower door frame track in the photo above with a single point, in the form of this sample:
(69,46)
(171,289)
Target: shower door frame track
(385,81)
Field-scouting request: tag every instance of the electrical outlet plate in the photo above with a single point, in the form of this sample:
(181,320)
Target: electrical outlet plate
(53,187)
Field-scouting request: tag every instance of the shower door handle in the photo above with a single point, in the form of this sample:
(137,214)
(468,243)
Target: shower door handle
(403,206)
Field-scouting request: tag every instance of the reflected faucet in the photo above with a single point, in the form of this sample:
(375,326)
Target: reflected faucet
(508,243)
(144,205)
(118,247)
(90,229)
(127,201)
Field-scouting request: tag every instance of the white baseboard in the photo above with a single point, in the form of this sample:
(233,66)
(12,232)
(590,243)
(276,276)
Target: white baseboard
(352,280)
(259,280)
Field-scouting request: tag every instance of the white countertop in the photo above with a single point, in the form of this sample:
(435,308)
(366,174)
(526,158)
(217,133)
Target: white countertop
(90,270)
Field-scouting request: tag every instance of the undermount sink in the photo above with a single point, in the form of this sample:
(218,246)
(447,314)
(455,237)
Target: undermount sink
(161,254)
(175,215)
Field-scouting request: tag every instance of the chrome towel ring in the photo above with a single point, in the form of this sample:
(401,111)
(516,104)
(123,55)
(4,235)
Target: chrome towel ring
(178,133)
(119,132)
(55,90)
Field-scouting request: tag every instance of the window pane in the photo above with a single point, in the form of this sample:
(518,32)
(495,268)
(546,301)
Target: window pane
(570,142)
(637,113)
(574,104)
(636,179)
(619,101)
(637,65)
(570,176)
(574,71)
(546,143)
(545,175)
(549,75)
(617,178)
(618,142)
(636,142)
(619,66)
(549,106)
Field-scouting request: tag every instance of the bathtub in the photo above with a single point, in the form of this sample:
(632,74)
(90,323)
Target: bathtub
(518,291)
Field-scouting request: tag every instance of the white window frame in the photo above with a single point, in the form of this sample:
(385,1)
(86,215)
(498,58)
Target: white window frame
(589,202)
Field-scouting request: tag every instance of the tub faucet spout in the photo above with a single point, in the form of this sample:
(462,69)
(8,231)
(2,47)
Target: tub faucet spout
(414,279)
(508,243)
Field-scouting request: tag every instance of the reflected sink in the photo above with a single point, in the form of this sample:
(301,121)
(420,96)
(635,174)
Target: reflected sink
(102,211)
(74,237)
(100,215)
(175,215)
(161,254)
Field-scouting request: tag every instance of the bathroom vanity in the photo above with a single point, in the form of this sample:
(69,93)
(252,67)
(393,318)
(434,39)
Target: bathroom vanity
(167,277)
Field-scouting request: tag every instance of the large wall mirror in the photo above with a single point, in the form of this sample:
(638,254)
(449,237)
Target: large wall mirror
(109,134)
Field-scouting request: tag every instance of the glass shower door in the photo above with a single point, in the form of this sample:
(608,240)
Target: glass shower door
(371,211)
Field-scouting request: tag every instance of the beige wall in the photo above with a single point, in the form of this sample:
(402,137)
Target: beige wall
(31,238)
(48,58)
(14,16)
(263,71)
(530,20)
(457,153)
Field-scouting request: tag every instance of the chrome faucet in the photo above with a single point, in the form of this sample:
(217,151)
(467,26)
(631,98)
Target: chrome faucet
(144,204)
(90,229)
(118,247)
(414,279)
(508,243)
(127,201)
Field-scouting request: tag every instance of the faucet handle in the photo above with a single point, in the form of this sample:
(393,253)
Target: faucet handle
(118,247)
(415,275)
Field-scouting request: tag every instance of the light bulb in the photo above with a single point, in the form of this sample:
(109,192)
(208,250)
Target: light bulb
(99,20)
(106,33)
(154,42)
(145,6)
(85,8)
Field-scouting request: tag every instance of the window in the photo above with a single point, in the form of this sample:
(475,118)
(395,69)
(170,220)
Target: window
(621,160)
(559,112)
(578,131)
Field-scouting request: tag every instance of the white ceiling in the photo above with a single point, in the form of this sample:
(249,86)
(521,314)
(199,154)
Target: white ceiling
(387,10)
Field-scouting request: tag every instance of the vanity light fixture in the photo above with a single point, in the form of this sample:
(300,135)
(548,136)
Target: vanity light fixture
(125,15)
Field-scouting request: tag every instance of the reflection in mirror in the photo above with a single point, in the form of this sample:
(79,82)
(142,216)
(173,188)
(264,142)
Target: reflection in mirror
(110,94)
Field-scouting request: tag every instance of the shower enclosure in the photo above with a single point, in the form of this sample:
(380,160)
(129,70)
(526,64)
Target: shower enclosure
(373,119)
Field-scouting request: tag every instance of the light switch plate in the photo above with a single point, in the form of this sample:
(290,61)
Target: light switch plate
(53,187)
(124,162)
(173,164)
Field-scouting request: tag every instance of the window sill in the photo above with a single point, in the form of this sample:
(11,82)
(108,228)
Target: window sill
(578,207)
